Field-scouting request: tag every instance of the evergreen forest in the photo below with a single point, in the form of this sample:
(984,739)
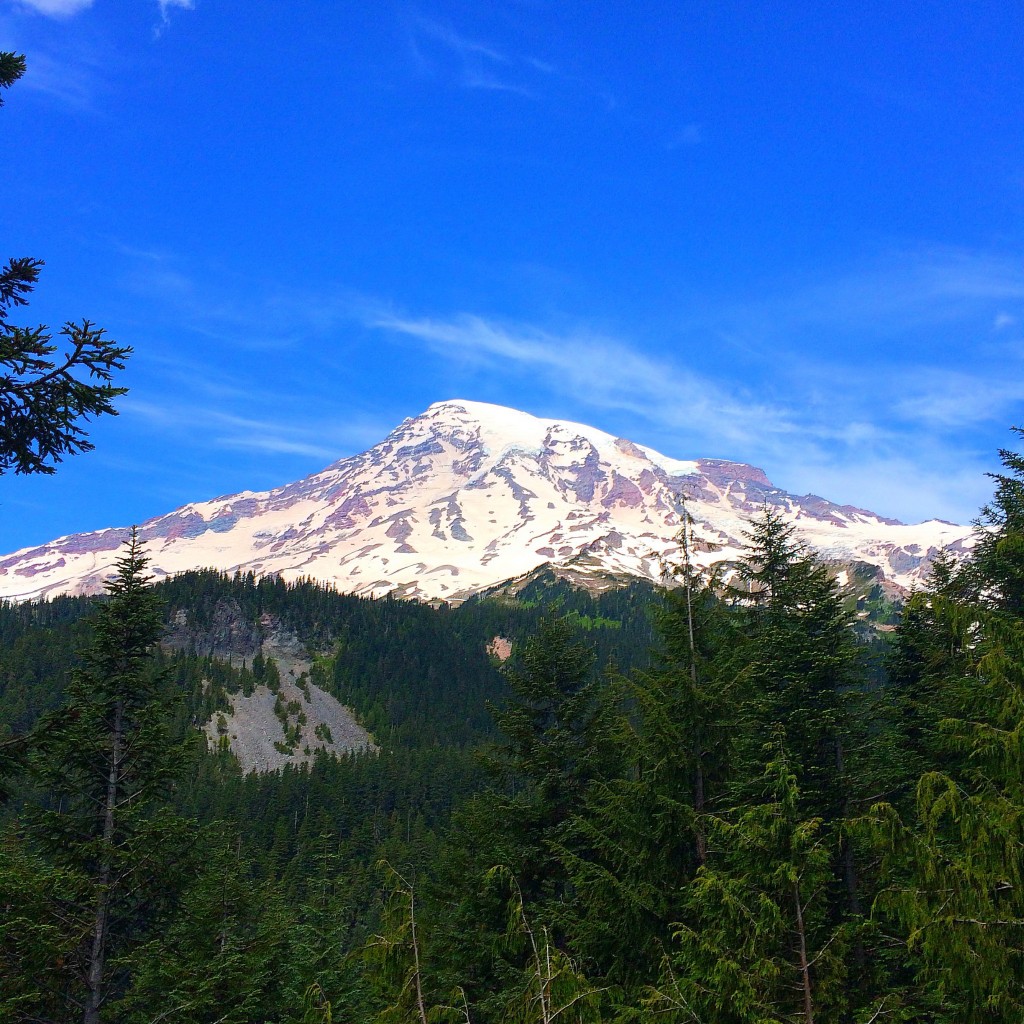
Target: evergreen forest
(742,799)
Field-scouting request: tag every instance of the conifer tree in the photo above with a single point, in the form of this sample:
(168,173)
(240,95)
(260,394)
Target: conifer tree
(640,836)
(549,726)
(105,764)
(956,861)
(755,944)
(804,657)
(13,752)
(553,747)
(44,400)
(998,562)
(225,956)
(926,653)
(806,677)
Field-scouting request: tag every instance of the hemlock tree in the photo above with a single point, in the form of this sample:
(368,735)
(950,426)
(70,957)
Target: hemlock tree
(956,860)
(756,945)
(44,398)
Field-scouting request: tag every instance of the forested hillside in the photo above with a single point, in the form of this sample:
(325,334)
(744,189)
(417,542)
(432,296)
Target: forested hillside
(728,802)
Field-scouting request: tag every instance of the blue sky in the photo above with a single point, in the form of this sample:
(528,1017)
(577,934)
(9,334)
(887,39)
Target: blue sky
(787,234)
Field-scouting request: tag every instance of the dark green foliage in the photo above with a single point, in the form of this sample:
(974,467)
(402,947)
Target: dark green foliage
(926,653)
(954,858)
(804,661)
(12,67)
(44,919)
(44,400)
(755,943)
(226,955)
(640,836)
(553,740)
(998,563)
(548,726)
(102,764)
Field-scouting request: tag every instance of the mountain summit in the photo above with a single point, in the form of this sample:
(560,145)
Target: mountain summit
(469,495)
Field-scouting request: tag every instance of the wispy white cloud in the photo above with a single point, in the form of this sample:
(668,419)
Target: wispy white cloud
(895,428)
(165,12)
(57,8)
(69,8)
(901,290)
(70,80)
(325,438)
(954,399)
(439,48)
(600,371)
(460,44)
(481,80)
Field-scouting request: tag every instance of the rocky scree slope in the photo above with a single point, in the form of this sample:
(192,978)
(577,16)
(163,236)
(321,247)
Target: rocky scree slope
(468,495)
(270,728)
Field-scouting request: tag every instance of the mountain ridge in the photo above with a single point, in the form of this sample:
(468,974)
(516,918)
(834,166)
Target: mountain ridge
(468,495)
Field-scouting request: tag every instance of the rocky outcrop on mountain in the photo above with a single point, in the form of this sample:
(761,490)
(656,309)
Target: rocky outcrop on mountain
(289,724)
(468,495)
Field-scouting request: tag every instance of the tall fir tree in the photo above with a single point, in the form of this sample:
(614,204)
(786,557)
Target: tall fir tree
(105,765)
(552,748)
(807,678)
(640,836)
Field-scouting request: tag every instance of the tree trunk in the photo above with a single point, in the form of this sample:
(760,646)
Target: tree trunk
(849,867)
(698,806)
(99,935)
(805,967)
(698,782)
(420,1004)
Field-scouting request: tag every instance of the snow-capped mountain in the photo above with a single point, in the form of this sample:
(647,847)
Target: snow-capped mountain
(469,495)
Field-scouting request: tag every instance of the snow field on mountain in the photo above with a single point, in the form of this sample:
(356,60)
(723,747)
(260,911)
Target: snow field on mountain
(469,495)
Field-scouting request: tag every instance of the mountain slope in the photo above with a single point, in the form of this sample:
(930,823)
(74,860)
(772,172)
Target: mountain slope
(468,495)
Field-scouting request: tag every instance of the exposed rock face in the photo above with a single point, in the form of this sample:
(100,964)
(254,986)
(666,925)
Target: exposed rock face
(254,728)
(468,495)
(228,636)
(500,647)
